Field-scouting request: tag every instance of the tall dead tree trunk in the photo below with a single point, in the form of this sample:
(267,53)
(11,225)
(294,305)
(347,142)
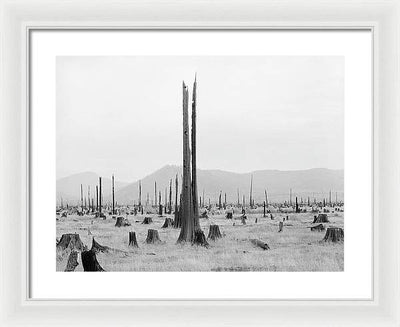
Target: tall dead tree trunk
(187,229)
(81,198)
(155,194)
(97,198)
(220,200)
(165,202)
(140,195)
(266,198)
(170,197)
(100,196)
(195,196)
(177,222)
(265,212)
(297,206)
(251,192)
(159,204)
(113,198)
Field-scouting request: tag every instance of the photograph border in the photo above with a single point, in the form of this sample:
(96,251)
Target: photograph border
(382,17)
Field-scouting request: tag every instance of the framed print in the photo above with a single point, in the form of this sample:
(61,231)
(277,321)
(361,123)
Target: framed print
(234,169)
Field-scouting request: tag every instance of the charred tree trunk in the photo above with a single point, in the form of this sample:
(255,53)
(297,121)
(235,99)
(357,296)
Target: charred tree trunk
(133,240)
(89,261)
(334,234)
(280,226)
(220,200)
(152,237)
(72,261)
(214,232)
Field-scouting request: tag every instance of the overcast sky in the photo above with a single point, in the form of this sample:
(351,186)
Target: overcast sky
(123,115)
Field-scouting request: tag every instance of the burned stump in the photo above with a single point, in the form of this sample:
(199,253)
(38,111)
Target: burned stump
(280,226)
(168,223)
(243,219)
(89,261)
(133,240)
(260,244)
(321,218)
(204,215)
(96,247)
(72,261)
(152,237)
(70,241)
(214,232)
(318,228)
(200,238)
(147,221)
(229,215)
(334,234)
(122,222)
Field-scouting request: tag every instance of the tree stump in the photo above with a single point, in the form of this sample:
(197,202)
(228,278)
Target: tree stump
(72,261)
(214,232)
(321,218)
(122,222)
(256,221)
(229,215)
(318,228)
(200,238)
(204,215)
(334,234)
(132,240)
(168,223)
(280,226)
(152,237)
(243,218)
(89,261)
(70,241)
(260,244)
(96,247)
(147,220)
(271,216)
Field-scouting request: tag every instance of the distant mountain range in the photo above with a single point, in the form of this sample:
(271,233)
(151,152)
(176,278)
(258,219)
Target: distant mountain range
(311,183)
(69,188)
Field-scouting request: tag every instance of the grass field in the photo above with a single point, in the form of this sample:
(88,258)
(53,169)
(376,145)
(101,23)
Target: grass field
(296,248)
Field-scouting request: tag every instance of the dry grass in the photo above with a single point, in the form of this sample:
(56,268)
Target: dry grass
(294,249)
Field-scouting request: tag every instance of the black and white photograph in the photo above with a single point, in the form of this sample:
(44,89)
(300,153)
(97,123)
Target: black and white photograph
(200,163)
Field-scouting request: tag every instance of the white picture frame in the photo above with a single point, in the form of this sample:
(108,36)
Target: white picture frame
(19,18)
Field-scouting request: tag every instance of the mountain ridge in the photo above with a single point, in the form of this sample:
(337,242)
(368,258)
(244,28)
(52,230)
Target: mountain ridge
(312,182)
